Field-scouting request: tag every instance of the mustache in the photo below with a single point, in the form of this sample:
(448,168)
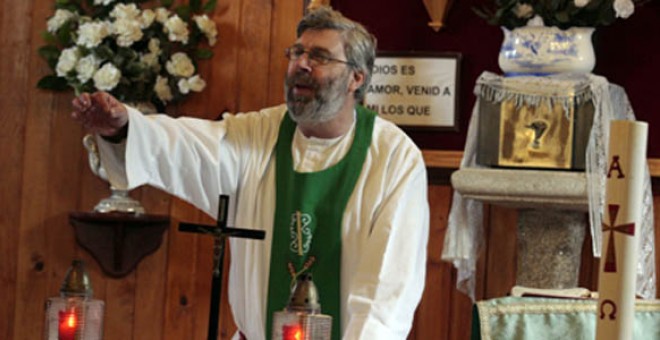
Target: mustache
(302,79)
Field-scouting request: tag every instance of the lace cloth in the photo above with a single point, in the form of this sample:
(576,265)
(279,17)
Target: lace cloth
(464,235)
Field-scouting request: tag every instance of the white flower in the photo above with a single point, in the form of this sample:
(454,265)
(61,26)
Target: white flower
(162,14)
(162,89)
(60,18)
(120,45)
(523,11)
(176,29)
(180,65)
(151,60)
(624,8)
(91,34)
(107,77)
(194,83)
(86,67)
(103,2)
(581,3)
(147,18)
(154,46)
(128,32)
(67,61)
(123,11)
(207,26)
(84,19)
(536,21)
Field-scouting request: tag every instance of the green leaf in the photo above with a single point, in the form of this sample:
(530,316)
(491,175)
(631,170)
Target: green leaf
(49,52)
(104,52)
(127,53)
(48,37)
(195,5)
(482,12)
(166,3)
(62,2)
(52,82)
(209,6)
(183,11)
(134,69)
(204,53)
(562,17)
(64,34)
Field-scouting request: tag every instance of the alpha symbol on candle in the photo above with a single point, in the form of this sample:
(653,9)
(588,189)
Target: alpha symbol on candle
(615,166)
(628,229)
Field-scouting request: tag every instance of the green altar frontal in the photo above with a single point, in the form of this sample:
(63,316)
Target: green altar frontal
(522,318)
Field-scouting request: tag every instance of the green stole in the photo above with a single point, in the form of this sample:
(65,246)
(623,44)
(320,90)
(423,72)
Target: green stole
(312,205)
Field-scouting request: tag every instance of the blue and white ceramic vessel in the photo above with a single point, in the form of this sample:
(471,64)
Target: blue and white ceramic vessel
(534,50)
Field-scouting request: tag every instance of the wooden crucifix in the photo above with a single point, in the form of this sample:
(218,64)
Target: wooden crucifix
(219,232)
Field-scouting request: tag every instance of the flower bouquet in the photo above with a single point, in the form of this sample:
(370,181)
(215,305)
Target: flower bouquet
(139,51)
(560,13)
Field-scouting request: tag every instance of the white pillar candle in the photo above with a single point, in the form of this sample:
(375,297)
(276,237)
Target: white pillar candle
(621,226)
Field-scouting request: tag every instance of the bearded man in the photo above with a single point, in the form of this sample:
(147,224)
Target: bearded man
(355,184)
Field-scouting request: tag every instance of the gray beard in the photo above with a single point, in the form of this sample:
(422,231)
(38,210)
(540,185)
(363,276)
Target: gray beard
(325,105)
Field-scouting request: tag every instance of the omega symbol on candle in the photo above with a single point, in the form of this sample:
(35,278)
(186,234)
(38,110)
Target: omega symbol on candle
(612,314)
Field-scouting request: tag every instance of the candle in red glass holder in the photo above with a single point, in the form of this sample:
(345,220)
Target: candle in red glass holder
(292,332)
(68,325)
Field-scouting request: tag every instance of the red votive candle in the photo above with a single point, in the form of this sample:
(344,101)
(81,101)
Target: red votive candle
(68,325)
(292,332)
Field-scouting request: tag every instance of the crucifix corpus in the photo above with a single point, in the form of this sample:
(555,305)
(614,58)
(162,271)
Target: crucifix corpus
(219,232)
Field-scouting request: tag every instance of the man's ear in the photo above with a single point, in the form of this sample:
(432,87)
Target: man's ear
(356,81)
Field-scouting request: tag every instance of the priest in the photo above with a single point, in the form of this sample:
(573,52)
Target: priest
(340,192)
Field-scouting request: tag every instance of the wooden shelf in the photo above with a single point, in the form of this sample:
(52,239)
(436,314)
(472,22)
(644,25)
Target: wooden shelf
(118,241)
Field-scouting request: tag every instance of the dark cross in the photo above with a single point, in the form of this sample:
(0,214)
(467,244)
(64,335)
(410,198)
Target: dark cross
(219,232)
(628,229)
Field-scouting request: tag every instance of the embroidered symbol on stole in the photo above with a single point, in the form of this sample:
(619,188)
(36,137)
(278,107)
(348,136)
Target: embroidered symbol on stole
(300,233)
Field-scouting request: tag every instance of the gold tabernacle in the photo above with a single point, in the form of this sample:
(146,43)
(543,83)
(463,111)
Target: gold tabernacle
(545,133)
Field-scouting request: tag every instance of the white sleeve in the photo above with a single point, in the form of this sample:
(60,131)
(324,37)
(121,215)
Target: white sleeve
(391,274)
(193,159)
(179,156)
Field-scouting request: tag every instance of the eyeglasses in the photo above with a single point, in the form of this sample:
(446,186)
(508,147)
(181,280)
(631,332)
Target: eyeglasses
(315,56)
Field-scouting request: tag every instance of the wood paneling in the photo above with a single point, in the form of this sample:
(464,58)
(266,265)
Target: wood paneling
(500,248)
(45,175)
(14,80)
(150,277)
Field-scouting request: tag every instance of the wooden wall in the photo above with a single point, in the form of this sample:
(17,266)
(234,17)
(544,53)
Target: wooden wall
(45,176)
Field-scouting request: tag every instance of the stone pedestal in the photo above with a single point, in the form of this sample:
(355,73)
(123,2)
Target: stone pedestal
(552,219)
(549,248)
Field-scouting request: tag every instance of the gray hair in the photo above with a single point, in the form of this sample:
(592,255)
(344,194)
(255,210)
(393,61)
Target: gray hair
(359,44)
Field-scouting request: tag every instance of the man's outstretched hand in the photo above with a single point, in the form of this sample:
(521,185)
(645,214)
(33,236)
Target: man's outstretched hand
(100,113)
